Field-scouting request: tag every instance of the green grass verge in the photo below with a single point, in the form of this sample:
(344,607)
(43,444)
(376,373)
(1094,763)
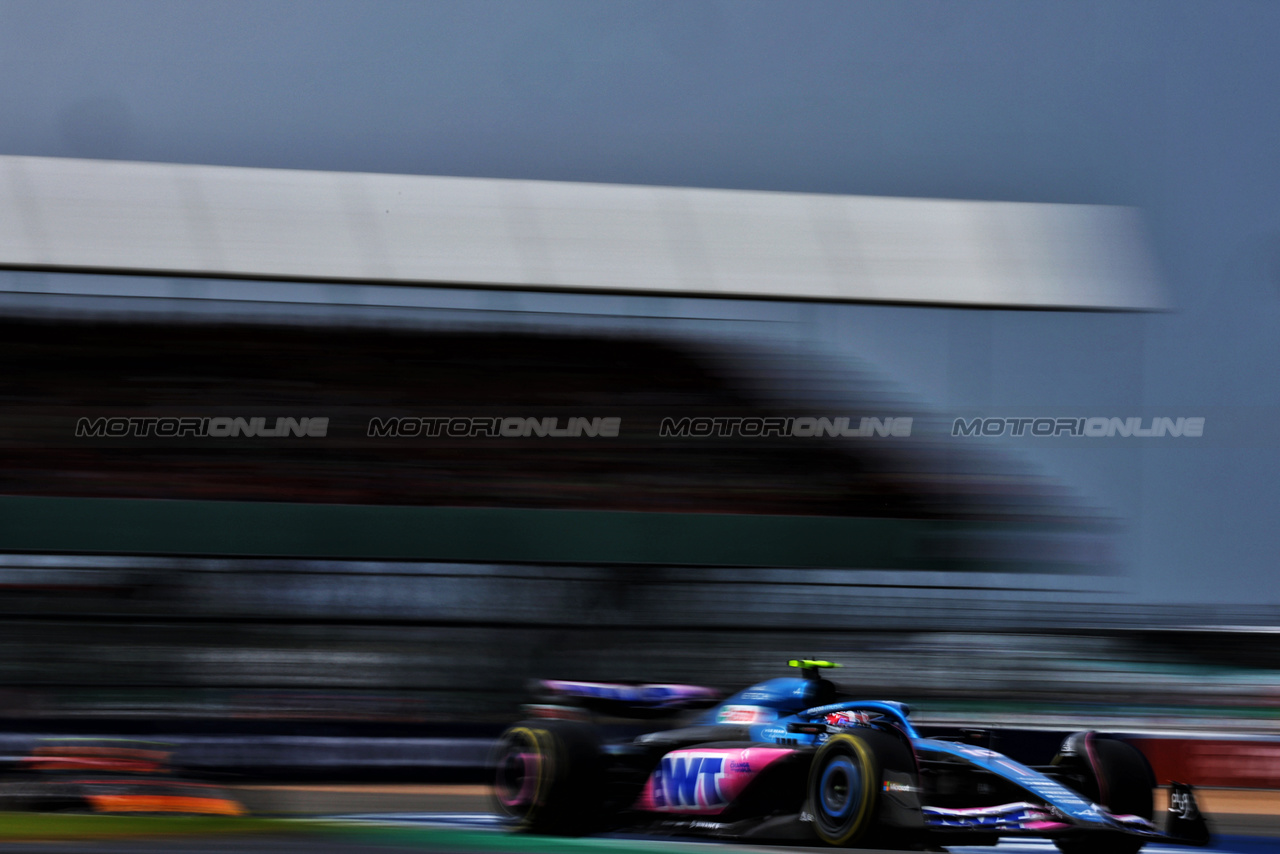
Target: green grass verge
(15,826)
(491,842)
(52,827)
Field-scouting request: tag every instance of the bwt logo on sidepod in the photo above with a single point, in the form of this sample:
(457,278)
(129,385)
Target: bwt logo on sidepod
(689,779)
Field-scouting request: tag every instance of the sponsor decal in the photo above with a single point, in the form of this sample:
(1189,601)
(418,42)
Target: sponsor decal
(1182,805)
(745,715)
(704,781)
(688,779)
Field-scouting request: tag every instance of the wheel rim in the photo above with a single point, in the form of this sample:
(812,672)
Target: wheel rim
(842,791)
(517,778)
(840,787)
(517,775)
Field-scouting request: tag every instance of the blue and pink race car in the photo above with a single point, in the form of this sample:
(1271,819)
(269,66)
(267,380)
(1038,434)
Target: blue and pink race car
(791,760)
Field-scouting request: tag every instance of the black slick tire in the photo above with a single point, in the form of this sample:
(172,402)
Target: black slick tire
(1117,776)
(845,788)
(548,777)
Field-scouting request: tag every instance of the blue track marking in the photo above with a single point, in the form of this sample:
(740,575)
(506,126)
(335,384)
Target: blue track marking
(474,820)
(1222,845)
(486,821)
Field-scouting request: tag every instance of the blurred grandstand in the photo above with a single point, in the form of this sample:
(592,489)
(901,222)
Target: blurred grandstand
(945,574)
(77,370)
(1019,585)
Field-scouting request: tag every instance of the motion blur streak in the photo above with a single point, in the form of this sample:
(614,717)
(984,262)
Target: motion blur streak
(61,214)
(355,604)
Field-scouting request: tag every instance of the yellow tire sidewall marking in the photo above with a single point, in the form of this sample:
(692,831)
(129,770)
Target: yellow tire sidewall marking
(868,775)
(541,740)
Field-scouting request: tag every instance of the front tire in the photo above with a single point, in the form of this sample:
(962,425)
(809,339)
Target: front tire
(845,787)
(1115,775)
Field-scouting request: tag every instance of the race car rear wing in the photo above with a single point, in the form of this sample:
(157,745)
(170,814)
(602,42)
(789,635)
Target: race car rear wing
(620,699)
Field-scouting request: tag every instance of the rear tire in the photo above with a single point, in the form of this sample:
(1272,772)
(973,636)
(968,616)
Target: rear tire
(548,777)
(1117,776)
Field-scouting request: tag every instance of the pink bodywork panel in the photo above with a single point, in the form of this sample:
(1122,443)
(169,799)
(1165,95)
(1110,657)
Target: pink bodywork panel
(704,781)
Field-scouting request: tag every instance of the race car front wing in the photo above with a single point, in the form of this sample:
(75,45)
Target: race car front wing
(1185,825)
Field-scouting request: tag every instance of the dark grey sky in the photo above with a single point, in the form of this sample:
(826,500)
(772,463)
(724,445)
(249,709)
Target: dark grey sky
(1173,107)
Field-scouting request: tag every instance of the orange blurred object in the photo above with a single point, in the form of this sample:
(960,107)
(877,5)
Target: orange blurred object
(164,803)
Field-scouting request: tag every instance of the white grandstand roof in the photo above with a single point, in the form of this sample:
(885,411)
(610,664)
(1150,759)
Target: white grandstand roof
(217,221)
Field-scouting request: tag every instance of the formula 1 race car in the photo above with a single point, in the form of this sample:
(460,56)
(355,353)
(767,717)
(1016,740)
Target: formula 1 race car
(111,776)
(790,760)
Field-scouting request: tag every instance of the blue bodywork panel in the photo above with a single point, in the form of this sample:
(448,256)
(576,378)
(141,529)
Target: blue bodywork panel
(789,697)
(1047,789)
(786,695)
